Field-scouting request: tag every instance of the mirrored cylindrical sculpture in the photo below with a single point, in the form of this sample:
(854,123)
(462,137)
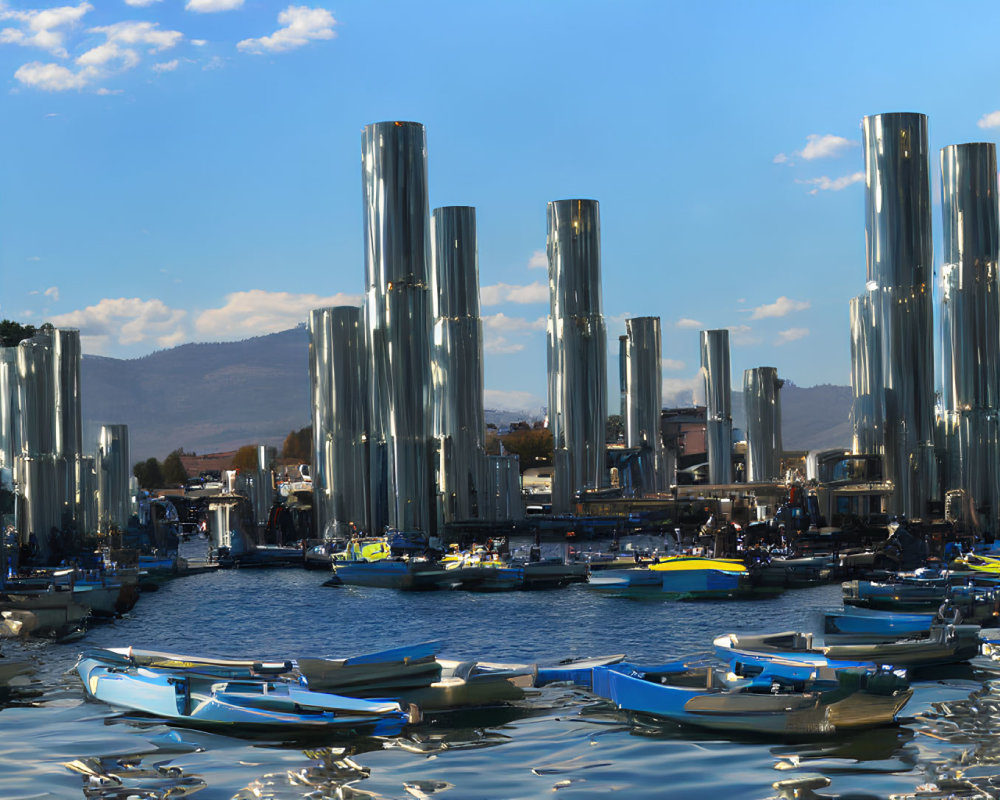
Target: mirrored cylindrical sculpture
(970,324)
(321,395)
(644,399)
(345,451)
(762,404)
(577,347)
(36,395)
(867,393)
(114,501)
(715,373)
(457,363)
(900,266)
(10,445)
(503,489)
(398,320)
(41,513)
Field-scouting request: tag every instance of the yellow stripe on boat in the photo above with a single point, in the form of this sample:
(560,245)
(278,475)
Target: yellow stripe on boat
(677,563)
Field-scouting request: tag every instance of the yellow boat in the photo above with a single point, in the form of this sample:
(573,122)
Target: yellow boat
(688,563)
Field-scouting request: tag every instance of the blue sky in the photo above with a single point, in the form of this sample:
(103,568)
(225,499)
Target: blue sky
(190,171)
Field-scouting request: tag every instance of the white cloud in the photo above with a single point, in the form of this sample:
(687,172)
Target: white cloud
(141,3)
(791,335)
(779,308)
(825,146)
(41,28)
(300,25)
(512,400)
(991,120)
(107,53)
(536,292)
(502,323)
(689,323)
(256,312)
(166,66)
(818,145)
(680,392)
(34,258)
(671,364)
(138,33)
(199,42)
(826,184)
(103,91)
(742,335)
(211,6)
(50,77)
(538,260)
(125,321)
(53,292)
(500,332)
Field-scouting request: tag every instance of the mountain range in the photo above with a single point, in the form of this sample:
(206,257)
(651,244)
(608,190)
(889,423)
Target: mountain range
(209,398)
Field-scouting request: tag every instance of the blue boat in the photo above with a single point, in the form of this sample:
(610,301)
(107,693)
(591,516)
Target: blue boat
(707,697)
(194,699)
(865,625)
(390,573)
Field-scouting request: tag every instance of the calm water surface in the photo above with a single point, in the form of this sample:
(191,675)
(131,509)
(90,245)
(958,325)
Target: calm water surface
(558,742)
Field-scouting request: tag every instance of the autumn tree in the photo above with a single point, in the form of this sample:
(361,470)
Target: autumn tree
(533,446)
(245,459)
(298,445)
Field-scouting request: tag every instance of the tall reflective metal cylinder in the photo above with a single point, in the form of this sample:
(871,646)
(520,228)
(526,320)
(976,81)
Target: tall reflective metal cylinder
(398,321)
(867,398)
(36,395)
(900,266)
(762,402)
(40,488)
(114,501)
(262,489)
(644,398)
(715,372)
(970,328)
(457,363)
(504,502)
(345,452)
(577,347)
(10,445)
(321,396)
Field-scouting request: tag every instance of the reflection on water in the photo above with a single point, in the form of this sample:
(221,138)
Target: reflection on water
(54,744)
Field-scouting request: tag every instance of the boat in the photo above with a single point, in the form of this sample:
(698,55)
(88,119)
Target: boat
(856,624)
(708,697)
(943,644)
(233,705)
(54,613)
(681,578)
(413,574)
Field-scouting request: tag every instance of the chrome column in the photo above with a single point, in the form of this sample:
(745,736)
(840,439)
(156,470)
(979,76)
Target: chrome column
(900,264)
(86,496)
(68,433)
(10,444)
(321,395)
(644,398)
(867,406)
(262,489)
(577,348)
(40,489)
(503,489)
(970,314)
(114,501)
(715,372)
(762,402)
(398,308)
(345,452)
(457,364)
(36,395)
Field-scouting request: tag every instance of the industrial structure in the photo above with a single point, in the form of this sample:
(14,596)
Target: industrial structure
(577,350)
(762,405)
(642,389)
(61,494)
(715,373)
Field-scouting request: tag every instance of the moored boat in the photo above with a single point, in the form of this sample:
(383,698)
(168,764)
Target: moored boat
(707,697)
